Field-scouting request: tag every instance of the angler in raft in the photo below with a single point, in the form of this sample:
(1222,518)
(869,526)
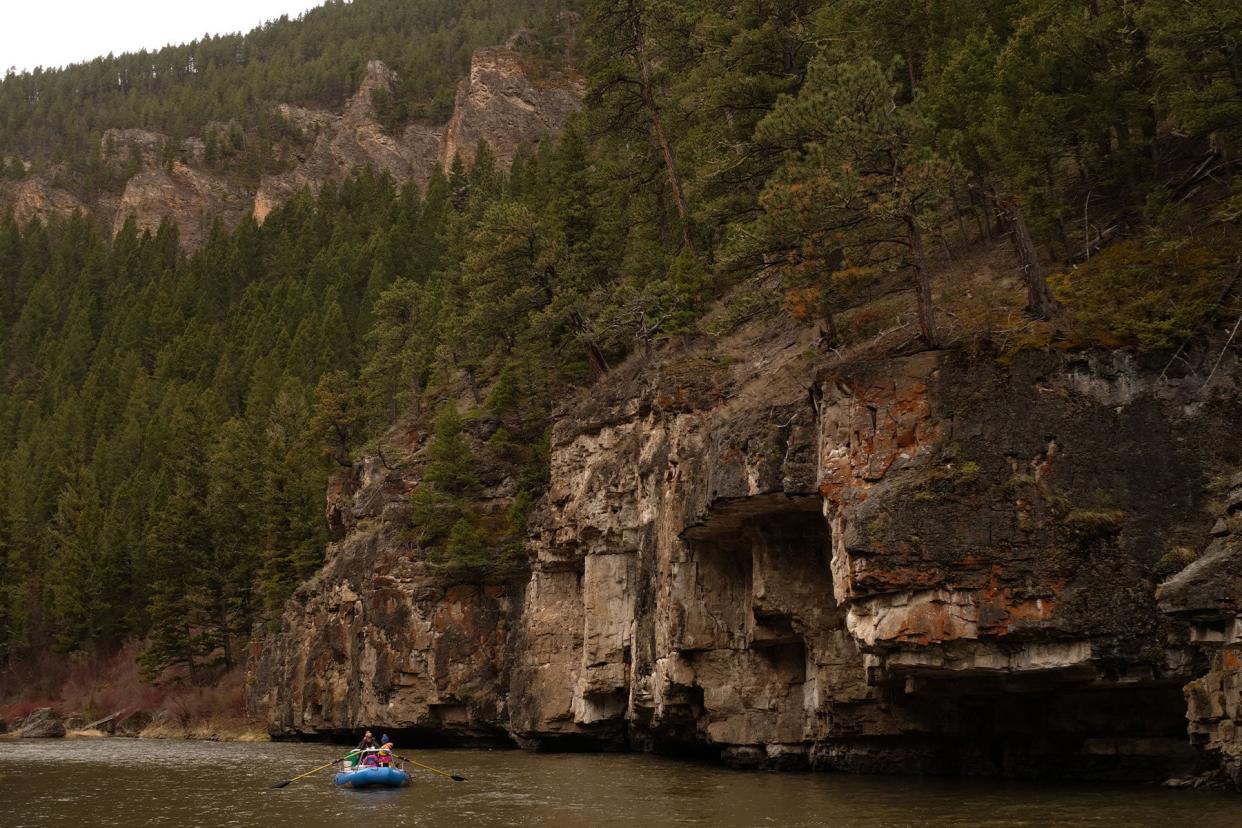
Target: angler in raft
(372,765)
(367,767)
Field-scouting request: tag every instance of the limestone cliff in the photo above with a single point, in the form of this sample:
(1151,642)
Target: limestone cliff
(930,562)
(1208,594)
(377,635)
(501,104)
(36,198)
(192,198)
(498,103)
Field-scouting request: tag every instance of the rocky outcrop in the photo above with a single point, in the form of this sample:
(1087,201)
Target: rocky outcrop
(502,106)
(42,724)
(351,140)
(36,199)
(498,103)
(927,564)
(923,563)
(1208,594)
(146,148)
(193,199)
(379,637)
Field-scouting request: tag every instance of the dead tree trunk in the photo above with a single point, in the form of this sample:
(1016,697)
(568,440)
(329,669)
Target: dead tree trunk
(922,285)
(1039,302)
(595,356)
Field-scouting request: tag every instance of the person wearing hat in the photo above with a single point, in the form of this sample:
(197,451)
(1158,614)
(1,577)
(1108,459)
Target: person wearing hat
(385,755)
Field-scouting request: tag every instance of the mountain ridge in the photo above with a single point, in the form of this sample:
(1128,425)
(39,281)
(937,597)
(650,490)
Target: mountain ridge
(498,103)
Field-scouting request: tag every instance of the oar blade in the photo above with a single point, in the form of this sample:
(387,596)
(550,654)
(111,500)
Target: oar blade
(437,771)
(303,776)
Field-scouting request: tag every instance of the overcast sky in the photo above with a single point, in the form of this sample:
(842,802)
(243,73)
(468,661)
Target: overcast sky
(56,32)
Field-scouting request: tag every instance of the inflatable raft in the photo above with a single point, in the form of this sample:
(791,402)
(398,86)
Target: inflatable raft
(373,778)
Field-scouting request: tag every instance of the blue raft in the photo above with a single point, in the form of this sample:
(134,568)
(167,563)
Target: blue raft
(373,778)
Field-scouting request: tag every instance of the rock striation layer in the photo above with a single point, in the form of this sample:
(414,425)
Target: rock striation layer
(928,563)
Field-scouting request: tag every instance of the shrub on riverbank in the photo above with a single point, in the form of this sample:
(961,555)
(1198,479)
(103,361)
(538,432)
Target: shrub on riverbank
(108,690)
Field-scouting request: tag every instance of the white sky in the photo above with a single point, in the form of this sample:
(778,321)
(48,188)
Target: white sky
(57,32)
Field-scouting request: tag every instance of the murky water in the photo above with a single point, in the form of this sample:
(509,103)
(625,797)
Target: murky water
(122,782)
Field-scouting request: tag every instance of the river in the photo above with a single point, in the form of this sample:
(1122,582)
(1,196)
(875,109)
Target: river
(126,782)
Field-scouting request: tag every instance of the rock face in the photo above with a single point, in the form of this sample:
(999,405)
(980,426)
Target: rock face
(42,724)
(931,563)
(497,103)
(191,198)
(1208,594)
(351,140)
(34,198)
(144,147)
(500,103)
(376,636)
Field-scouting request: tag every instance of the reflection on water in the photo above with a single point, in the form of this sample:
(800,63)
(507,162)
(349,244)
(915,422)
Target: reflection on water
(122,782)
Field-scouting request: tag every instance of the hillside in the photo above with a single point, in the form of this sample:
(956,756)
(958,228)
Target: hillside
(317,61)
(197,170)
(840,378)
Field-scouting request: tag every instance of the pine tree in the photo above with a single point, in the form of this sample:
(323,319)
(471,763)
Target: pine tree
(450,462)
(337,417)
(77,577)
(12,577)
(232,511)
(509,274)
(293,482)
(179,544)
(625,85)
(858,190)
(439,505)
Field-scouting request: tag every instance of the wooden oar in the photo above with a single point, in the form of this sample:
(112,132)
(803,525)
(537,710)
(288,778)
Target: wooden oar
(308,773)
(452,776)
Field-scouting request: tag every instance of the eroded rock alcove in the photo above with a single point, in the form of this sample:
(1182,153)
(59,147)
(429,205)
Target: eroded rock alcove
(756,633)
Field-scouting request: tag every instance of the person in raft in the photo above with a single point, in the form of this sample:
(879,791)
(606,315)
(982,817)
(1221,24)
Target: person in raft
(368,742)
(385,754)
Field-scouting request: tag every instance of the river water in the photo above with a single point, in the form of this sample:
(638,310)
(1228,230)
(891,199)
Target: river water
(126,782)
